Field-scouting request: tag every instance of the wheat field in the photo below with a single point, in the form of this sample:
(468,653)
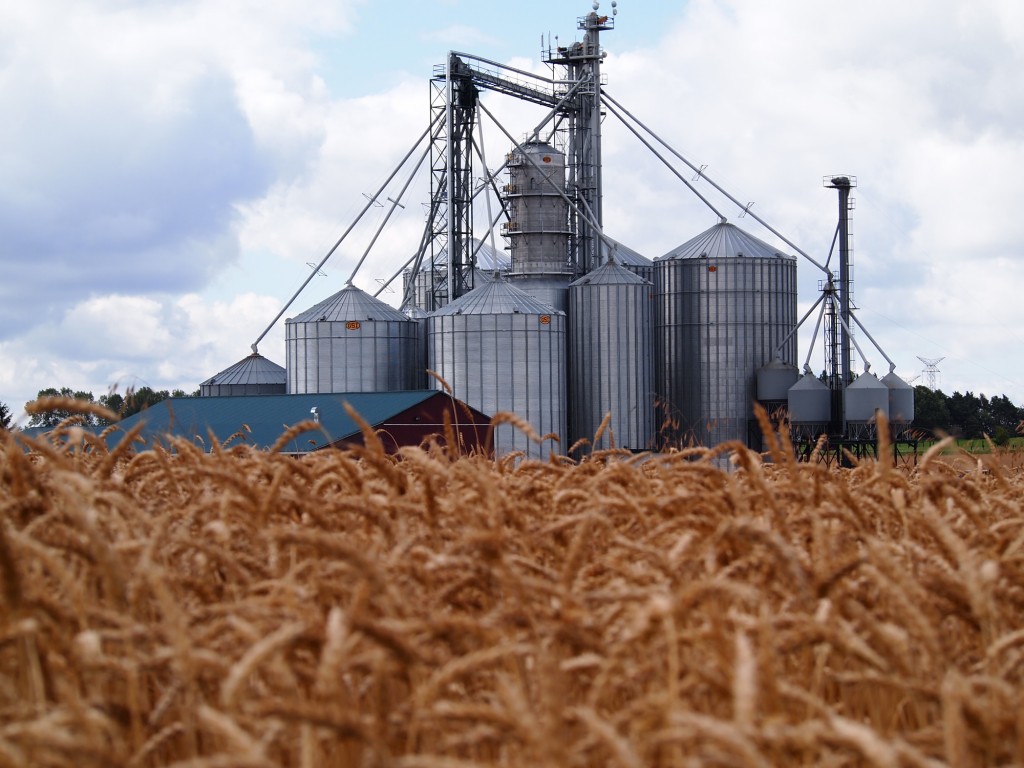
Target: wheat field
(231,607)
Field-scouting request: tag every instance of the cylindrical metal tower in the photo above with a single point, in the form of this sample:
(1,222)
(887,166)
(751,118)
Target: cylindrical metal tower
(253,375)
(352,342)
(611,360)
(724,302)
(500,349)
(538,226)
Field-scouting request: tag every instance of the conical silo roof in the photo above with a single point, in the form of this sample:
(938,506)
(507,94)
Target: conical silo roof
(725,240)
(608,273)
(496,298)
(488,258)
(901,398)
(254,369)
(350,303)
(623,254)
(775,378)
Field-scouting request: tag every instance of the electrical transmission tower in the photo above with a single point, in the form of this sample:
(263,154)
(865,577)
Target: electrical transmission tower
(931,370)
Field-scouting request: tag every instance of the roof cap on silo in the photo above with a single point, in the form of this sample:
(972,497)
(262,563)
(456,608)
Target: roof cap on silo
(866,381)
(416,313)
(725,240)
(254,369)
(808,381)
(350,303)
(489,258)
(609,273)
(497,298)
(623,254)
(893,381)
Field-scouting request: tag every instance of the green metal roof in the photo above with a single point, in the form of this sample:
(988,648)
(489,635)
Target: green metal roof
(267,417)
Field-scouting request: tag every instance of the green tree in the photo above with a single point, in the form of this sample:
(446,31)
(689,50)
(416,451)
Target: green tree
(965,413)
(6,419)
(52,418)
(112,401)
(930,410)
(1004,413)
(142,398)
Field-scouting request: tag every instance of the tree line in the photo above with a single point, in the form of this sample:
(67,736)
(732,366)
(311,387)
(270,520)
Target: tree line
(131,402)
(966,416)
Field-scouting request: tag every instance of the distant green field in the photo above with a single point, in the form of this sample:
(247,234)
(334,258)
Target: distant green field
(1016,444)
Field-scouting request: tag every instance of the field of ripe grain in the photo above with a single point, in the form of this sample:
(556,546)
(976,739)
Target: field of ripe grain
(243,608)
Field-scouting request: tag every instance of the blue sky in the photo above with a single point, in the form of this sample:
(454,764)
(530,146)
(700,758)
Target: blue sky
(168,169)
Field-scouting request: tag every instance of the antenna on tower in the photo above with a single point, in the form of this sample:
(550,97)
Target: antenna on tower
(931,370)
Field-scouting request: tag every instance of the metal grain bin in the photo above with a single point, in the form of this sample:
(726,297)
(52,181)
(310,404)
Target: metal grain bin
(901,399)
(774,381)
(863,397)
(352,342)
(502,350)
(611,358)
(253,375)
(547,289)
(810,403)
(628,258)
(724,302)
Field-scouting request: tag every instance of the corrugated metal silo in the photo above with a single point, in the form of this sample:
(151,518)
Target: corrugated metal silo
(901,400)
(502,350)
(252,375)
(810,403)
(352,342)
(862,398)
(724,302)
(628,258)
(611,360)
(774,381)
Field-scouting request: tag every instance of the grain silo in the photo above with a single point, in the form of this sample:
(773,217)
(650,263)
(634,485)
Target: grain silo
(352,342)
(538,227)
(864,398)
(611,361)
(252,375)
(809,403)
(500,349)
(626,257)
(724,303)
(901,404)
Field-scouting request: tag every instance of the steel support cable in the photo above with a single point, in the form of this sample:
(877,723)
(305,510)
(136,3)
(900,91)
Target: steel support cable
(849,333)
(390,280)
(667,164)
(341,239)
(814,336)
(832,248)
(892,365)
(800,322)
(710,181)
(394,204)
